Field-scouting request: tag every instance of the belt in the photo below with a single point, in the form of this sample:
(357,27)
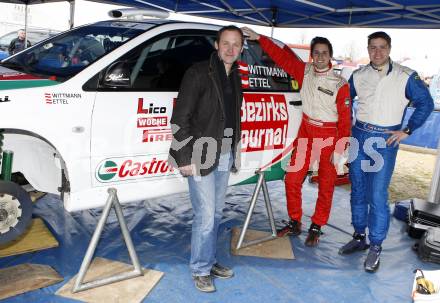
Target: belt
(318,122)
(375,128)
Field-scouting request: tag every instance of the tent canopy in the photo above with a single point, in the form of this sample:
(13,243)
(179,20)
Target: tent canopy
(305,13)
(297,13)
(29,2)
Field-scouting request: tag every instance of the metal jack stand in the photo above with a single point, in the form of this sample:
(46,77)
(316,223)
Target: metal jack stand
(112,201)
(434,194)
(261,183)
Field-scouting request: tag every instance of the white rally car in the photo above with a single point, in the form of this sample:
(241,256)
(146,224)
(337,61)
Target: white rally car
(90,109)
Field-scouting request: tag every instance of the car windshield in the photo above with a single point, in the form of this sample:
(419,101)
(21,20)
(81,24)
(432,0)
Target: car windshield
(65,55)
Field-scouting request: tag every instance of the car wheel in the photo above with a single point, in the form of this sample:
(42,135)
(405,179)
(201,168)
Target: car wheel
(15,211)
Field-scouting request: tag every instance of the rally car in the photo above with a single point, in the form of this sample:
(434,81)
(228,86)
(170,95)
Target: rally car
(90,109)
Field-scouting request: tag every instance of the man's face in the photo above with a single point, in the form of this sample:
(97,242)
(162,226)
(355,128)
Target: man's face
(321,56)
(21,35)
(379,51)
(230,46)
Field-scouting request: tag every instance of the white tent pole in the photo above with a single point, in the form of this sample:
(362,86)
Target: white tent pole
(72,13)
(434,194)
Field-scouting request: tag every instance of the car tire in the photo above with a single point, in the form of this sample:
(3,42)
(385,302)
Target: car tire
(15,211)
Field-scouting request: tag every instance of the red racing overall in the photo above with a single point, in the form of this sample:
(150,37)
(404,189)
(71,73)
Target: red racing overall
(326,119)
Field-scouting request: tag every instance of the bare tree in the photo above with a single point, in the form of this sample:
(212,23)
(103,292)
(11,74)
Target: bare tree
(351,50)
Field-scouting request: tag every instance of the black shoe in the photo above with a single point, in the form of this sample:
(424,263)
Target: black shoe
(292,227)
(221,272)
(358,243)
(372,261)
(313,236)
(204,283)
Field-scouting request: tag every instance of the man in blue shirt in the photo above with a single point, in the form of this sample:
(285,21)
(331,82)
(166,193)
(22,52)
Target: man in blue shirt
(384,89)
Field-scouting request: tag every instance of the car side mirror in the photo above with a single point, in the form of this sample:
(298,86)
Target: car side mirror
(117,75)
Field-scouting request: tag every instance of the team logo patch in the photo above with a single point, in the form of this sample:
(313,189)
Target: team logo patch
(325,91)
(347,102)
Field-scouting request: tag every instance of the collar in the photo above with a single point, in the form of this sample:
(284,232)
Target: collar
(390,66)
(323,72)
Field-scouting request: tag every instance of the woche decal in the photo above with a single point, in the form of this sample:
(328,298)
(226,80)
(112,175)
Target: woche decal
(264,122)
(133,168)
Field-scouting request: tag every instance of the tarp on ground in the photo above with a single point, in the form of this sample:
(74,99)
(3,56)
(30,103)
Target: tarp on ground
(161,232)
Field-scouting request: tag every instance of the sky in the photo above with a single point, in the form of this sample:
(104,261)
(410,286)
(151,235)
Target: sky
(411,43)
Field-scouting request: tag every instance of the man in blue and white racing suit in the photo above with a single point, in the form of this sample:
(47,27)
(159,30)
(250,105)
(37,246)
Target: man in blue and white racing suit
(384,89)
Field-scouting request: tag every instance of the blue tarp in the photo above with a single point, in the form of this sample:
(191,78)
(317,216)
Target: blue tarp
(306,13)
(161,231)
(428,135)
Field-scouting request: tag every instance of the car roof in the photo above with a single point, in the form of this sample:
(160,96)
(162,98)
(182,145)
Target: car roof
(145,23)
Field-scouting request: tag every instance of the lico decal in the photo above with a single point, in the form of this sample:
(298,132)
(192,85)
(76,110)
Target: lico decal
(264,122)
(61,98)
(133,168)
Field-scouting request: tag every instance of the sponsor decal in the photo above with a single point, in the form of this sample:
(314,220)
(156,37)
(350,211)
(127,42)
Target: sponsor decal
(117,78)
(61,98)
(155,118)
(325,91)
(149,108)
(264,122)
(257,76)
(107,170)
(243,70)
(152,122)
(161,135)
(134,168)
(295,85)
(5,99)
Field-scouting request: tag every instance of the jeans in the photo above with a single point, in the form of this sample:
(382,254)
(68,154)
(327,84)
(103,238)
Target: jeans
(207,195)
(370,178)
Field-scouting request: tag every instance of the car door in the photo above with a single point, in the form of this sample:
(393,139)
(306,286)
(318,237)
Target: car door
(271,115)
(131,132)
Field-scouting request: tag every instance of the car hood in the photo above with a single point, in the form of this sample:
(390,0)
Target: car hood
(12,79)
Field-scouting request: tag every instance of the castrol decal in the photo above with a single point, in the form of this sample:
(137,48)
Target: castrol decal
(132,168)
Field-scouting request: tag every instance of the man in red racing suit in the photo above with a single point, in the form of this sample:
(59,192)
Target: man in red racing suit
(324,129)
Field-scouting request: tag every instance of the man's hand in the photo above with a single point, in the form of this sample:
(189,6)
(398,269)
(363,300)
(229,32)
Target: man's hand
(187,170)
(251,35)
(396,137)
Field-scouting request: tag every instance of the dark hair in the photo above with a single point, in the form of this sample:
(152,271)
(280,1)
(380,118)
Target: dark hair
(382,35)
(321,40)
(229,28)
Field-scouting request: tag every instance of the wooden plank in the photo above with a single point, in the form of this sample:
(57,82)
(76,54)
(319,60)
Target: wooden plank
(129,291)
(37,237)
(35,195)
(278,248)
(22,278)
